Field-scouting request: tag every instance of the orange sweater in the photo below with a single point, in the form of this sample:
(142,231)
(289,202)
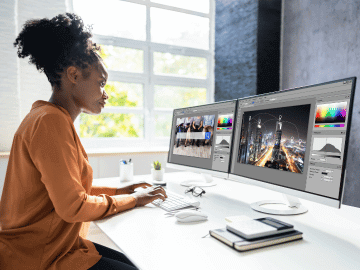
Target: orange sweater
(48,194)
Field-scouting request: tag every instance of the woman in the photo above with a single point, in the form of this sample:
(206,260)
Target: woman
(48,191)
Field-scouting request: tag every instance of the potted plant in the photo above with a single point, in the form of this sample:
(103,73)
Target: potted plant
(157,171)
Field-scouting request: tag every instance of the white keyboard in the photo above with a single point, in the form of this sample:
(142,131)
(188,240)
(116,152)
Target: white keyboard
(175,202)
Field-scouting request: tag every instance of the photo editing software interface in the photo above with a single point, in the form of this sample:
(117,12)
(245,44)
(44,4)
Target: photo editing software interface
(201,136)
(294,138)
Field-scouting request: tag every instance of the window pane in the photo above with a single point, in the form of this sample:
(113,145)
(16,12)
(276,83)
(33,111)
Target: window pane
(179,29)
(122,59)
(198,5)
(124,94)
(185,66)
(163,125)
(177,97)
(118,125)
(113,17)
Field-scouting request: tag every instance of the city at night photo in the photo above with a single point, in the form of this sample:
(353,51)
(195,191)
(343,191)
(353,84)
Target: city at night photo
(275,138)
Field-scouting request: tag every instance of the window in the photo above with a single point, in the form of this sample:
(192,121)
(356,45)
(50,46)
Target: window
(159,55)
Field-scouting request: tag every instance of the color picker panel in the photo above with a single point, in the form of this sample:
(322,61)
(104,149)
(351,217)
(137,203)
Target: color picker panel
(331,113)
(225,121)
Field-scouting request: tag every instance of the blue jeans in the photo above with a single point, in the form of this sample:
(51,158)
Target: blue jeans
(112,259)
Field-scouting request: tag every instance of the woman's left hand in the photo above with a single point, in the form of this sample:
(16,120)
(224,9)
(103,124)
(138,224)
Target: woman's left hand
(130,188)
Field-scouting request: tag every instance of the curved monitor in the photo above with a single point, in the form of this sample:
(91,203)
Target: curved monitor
(295,141)
(201,140)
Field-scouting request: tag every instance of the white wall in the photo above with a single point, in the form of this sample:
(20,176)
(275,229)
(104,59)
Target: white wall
(3,166)
(9,96)
(21,84)
(108,165)
(321,43)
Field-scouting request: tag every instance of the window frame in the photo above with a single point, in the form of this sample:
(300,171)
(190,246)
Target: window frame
(148,79)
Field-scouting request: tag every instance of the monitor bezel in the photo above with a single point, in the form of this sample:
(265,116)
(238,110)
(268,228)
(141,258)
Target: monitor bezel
(298,193)
(197,169)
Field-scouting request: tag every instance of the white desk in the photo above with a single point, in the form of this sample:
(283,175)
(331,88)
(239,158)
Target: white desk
(331,238)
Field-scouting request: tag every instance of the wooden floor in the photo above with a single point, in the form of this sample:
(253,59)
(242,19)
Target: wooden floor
(193,151)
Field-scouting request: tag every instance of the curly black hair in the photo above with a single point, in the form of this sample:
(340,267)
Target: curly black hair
(56,44)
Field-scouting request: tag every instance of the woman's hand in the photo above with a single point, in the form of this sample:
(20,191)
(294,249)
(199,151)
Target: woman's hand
(144,196)
(130,188)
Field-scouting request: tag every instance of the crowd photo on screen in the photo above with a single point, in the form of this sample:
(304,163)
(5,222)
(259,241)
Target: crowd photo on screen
(194,136)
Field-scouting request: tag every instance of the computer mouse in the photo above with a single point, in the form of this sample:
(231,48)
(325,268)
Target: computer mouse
(186,216)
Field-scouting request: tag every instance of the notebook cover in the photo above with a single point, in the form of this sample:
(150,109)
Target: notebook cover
(242,244)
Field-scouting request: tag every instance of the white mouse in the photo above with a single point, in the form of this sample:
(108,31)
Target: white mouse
(190,216)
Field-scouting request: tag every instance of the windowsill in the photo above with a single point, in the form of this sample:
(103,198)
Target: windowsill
(125,150)
(4,154)
(113,151)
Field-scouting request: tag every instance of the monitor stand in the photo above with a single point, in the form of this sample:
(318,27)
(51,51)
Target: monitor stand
(206,182)
(291,206)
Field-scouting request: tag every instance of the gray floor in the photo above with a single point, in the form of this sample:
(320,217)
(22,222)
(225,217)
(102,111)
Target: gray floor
(97,236)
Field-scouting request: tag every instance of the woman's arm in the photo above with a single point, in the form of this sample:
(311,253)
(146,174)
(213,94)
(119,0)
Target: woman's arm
(96,191)
(128,189)
(54,152)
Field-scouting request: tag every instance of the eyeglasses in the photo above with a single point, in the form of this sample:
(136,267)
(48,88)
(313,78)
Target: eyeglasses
(196,191)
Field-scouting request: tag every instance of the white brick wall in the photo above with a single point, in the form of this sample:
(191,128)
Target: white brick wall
(20,83)
(9,73)
(107,165)
(3,166)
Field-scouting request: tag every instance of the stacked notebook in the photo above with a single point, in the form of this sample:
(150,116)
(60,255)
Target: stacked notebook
(235,238)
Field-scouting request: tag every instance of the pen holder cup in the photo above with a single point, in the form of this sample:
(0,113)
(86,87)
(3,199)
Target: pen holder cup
(126,172)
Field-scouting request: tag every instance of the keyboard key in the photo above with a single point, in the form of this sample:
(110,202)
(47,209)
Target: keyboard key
(174,202)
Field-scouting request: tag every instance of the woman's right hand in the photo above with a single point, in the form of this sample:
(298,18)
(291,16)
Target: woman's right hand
(147,195)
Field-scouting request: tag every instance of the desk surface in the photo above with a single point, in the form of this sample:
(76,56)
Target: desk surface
(331,238)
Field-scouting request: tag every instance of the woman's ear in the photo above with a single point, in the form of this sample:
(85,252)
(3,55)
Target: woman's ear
(72,73)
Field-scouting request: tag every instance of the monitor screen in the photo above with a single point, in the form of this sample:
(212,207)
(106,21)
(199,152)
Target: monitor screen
(201,136)
(295,138)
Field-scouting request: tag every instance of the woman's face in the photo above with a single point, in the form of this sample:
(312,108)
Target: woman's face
(90,93)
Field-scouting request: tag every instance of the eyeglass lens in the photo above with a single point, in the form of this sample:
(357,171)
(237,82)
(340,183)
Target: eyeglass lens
(196,191)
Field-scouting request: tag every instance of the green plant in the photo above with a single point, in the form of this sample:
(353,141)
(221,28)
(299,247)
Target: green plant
(156,165)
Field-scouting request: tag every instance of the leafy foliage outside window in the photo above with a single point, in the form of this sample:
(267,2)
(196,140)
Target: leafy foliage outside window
(111,125)
(124,94)
(116,124)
